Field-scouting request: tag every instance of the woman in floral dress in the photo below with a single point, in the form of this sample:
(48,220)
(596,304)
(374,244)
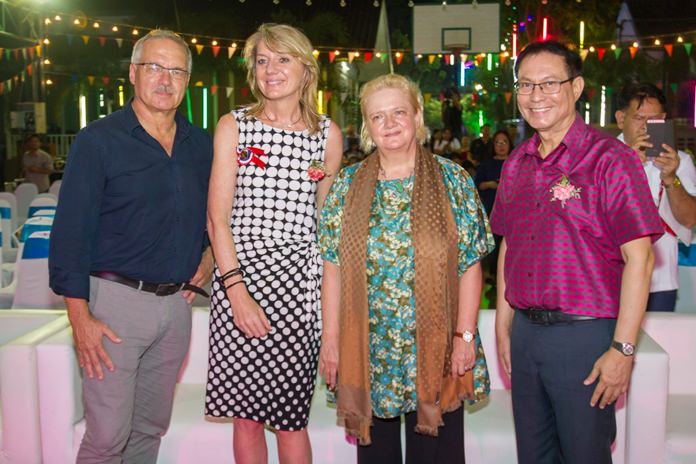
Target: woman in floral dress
(401,235)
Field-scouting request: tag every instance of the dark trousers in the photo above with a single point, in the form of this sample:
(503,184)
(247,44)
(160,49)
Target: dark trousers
(662,301)
(554,422)
(446,448)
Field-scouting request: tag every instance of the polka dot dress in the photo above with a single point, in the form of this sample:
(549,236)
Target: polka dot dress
(271,379)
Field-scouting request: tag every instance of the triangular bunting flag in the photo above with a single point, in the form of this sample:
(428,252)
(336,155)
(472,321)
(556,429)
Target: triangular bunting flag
(503,57)
(508,96)
(7,54)
(228,91)
(8,84)
(38,50)
(213,89)
(332,56)
(344,95)
(31,53)
(105,80)
(90,79)
(216,50)
(633,51)
(674,86)
(617,53)
(431,59)
(244,91)
(30,69)
(399,57)
(102,41)
(447,59)
(199,49)
(24,54)
(368,57)
(198,84)
(583,54)
(601,52)
(416,59)
(2,53)
(668,48)
(383,57)
(687,47)
(16,53)
(351,57)
(119,42)
(230,51)
(328,95)
(479,59)
(427,97)
(2,87)
(85,39)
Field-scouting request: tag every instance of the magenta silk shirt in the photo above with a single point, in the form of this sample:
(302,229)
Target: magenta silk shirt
(569,258)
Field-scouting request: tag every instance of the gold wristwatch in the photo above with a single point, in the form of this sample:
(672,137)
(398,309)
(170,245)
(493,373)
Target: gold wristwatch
(676,183)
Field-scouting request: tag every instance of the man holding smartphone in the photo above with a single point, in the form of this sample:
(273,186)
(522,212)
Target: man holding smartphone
(672,179)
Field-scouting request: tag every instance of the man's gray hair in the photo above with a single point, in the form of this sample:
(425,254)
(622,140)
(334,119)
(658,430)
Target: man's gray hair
(161,34)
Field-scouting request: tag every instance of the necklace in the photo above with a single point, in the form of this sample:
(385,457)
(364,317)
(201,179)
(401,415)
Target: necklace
(284,126)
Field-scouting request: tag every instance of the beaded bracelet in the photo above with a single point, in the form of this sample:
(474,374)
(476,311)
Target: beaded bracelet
(233,284)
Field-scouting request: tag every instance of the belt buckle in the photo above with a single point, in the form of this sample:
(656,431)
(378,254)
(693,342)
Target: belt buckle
(166,289)
(540,317)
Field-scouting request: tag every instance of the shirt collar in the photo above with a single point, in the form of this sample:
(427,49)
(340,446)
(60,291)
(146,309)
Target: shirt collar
(183,127)
(572,148)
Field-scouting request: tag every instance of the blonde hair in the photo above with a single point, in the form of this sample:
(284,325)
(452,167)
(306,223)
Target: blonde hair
(161,34)
(281,38)
(391,81)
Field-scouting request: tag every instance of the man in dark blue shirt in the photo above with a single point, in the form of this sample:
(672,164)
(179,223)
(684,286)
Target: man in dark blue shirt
(127,250)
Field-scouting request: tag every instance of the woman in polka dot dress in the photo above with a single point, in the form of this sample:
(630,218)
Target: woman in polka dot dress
(273,166)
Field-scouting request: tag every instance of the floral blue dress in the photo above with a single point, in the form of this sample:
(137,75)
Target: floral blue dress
(391,273)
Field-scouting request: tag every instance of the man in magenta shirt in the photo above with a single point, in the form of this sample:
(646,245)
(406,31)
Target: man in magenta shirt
(577,221)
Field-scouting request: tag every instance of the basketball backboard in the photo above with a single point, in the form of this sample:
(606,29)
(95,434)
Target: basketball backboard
(442,28)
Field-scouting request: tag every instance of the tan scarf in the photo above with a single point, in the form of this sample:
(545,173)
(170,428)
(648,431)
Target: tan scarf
(434,235)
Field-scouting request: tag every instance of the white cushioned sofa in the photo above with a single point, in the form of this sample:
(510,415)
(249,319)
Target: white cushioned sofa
(20,332)
(489,436)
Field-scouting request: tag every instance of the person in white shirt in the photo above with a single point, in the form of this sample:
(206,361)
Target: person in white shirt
(672,180)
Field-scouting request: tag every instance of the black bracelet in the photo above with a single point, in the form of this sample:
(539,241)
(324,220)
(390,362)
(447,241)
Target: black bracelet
(231,273)
(233,284)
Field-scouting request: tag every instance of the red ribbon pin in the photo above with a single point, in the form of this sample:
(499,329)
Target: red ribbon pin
(248,155)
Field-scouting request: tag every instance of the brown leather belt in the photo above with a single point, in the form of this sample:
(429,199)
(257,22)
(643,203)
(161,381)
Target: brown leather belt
(546,317)
(157,289)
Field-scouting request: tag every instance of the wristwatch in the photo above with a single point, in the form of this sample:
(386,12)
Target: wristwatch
(625,348)
(467,336)
(675,183)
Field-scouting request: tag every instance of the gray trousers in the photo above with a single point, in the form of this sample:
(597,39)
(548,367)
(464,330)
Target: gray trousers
(128,412)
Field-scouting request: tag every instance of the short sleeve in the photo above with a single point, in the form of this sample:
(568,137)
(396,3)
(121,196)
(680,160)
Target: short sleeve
(687,173)
(332,215)
(474,235)
(630,212)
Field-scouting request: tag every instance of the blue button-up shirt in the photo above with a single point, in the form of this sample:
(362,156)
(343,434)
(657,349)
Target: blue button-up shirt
(125,206)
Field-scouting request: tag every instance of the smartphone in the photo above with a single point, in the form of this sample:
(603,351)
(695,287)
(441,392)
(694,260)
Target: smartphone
(660,131)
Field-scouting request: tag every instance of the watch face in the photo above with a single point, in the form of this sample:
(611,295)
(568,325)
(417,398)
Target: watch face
(468,336)
(627,349)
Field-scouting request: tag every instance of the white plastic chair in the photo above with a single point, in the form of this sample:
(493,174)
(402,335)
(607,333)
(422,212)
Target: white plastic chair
(42,202)
(35,224)
(8,224)
(54,189)
(25,194)
(32,290)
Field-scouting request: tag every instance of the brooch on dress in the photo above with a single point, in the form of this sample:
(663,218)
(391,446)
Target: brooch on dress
(316,170)
(249,155)
(563,191)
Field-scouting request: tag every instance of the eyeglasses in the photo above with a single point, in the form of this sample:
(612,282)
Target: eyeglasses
(501,142)
(548,87)
(154,69)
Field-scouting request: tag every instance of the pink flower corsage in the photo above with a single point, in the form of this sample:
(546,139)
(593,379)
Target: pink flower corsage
(316,171)
(251,155)
(563,191)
